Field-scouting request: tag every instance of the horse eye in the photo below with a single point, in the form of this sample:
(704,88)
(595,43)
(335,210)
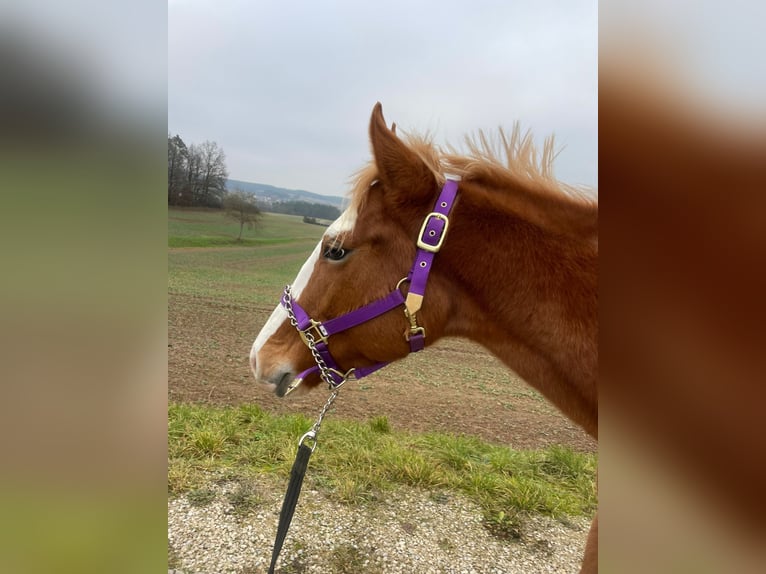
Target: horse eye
(334,253)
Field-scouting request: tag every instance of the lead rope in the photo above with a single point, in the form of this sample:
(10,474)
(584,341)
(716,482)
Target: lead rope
(298,471)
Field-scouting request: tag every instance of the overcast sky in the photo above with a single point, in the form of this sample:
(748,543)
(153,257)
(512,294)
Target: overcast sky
(286,88)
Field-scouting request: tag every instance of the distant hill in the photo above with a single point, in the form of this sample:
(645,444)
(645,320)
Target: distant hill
(269,193)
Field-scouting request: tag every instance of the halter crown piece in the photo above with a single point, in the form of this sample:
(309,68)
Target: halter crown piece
(315,334)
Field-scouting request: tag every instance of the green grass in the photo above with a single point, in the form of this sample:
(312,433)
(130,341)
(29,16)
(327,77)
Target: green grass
(281,243)
(244,498)
(211,228)
(347,558)
(356,462)
(221,241)
(201,496)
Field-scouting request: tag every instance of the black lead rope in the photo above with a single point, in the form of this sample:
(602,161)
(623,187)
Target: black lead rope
(291,499)
(298,472)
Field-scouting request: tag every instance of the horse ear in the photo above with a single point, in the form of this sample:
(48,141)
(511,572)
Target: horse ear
(400,169)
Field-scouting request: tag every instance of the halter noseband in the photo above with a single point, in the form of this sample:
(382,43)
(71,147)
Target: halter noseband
(315,334)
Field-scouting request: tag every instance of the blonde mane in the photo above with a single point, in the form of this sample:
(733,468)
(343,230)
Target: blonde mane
(499,163)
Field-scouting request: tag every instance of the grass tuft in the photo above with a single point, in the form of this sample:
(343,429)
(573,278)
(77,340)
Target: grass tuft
(244,498)
(355,462)
(201,496)
(380,425)
(348,558)
(505,526)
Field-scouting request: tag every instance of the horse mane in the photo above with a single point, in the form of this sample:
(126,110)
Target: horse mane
(507,166)
(512,162)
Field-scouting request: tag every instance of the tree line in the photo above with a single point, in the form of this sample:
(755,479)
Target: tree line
(196,173)
(304,208)
(197,177)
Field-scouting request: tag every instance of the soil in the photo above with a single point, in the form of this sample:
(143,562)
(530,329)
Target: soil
(454,386)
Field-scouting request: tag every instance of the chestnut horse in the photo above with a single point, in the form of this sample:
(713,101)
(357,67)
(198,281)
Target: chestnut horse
(508,255)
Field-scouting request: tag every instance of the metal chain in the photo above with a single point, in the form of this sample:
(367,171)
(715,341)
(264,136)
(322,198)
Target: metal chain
(324,370)
(312,433)
(322,413)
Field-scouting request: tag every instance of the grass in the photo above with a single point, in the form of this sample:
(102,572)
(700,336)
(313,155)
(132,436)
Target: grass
(356,462)
(347,558)
(236,274)
(211,228)
(244,498)
(221,241)
(201,496)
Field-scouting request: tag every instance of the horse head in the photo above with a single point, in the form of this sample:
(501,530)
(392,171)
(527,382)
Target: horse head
(364,256)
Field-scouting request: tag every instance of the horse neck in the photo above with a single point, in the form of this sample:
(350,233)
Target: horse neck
(529,295)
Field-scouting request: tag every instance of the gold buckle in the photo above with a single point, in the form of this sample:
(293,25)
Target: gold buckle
(319,333)
(426,246)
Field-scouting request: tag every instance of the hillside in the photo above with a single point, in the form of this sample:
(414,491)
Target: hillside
(270,193)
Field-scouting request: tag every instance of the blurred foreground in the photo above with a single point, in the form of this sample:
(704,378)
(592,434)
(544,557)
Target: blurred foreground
(683,212)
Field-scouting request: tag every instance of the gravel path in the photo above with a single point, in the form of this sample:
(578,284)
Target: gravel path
(410,531)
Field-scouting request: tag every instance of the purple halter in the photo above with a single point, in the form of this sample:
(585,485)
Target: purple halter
(430,239)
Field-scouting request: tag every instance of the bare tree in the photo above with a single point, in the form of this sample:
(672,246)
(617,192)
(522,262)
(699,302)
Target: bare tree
(193,170)
(196,173)
(212,174)
(240,206)
(178,157)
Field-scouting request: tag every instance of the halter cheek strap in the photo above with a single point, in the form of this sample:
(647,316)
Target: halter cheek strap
(315,334)
(430,240)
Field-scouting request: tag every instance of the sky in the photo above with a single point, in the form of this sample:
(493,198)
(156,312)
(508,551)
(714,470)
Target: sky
(287,88)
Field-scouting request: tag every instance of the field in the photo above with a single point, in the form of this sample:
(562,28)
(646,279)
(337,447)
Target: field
(221,293)
(441,420)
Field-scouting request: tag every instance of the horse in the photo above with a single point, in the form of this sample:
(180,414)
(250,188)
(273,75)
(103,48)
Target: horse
(486,245)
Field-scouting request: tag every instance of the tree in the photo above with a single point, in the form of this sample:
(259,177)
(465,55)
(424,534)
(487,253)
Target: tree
(240,206)
(212,174)
(196,173)
(193,170)
(315,210)
(178,159)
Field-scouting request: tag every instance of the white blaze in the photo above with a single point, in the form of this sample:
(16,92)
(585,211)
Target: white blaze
(343,224)
(279,315)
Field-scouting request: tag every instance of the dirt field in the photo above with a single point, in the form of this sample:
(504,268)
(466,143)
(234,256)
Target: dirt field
(454,386)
